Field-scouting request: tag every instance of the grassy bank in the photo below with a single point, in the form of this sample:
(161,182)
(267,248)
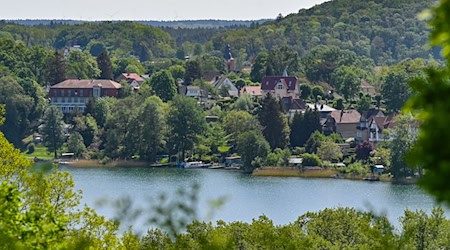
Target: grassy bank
(294,172)
(319,173)
(118,163)
(40,152)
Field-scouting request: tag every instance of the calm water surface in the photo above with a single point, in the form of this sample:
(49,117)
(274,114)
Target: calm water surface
(247,197)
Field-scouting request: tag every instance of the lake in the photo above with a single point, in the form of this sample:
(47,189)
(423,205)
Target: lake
(281,199)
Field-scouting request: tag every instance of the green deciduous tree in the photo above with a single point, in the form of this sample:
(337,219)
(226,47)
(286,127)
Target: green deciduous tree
(153,125)
(396,90)
(81,65)
(305,91)
(430,100)
(75,144)
(251,145)
(244,103)
(364,104)
(278,158)
(87,127)
(403,138)
(19,110)
(329,151)
(283,58)
(41,211)
(238,122)
(52,129)
(347,80)
(186,122)
(164,85)
(177,71)
(421,231)
(259,68)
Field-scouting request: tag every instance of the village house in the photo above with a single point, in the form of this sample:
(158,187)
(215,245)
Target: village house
(343,122)
(366,88)
(72,95)
(253,91)
(222,82)
(376,127)
(280,86)
(323,109)
(365,123)
(133,79)
(196,92)
(292,106)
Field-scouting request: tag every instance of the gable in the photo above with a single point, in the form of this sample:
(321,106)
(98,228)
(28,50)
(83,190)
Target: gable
(270,82)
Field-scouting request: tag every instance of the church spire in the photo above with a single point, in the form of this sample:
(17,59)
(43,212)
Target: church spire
(285,74)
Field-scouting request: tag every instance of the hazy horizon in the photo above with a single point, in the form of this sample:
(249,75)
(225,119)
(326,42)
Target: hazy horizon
(168,10)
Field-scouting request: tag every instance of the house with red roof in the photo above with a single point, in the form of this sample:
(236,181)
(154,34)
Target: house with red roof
(72,95)
(376,127)
(343,122)
(253,91)
(133,79)
(366,88)
(280,86)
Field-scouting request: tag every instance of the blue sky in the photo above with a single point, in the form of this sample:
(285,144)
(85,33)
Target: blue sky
(150,9)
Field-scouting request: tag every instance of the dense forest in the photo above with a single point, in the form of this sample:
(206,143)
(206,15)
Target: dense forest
(384,31)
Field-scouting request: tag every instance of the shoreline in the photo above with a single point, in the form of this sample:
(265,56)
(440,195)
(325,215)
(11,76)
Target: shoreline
(314,172)
(323,173)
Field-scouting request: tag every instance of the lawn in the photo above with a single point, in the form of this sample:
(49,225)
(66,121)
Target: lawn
(40,152)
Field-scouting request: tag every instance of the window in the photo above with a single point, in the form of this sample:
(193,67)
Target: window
(69,92)
(62,92)
(279,86)
(96,92)
(81,92)
(55,92)
(75,92)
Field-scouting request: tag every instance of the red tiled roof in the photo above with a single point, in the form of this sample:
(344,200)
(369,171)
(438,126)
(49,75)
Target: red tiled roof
(346,116)
(251,90)
(86,84)
(384,122)
(133,76)
(365,86)
(270,82)
(380,121)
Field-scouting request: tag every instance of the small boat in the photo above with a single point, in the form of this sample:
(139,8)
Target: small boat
(195,164)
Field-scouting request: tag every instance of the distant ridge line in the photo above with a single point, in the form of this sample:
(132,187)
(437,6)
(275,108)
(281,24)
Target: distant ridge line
(202,23)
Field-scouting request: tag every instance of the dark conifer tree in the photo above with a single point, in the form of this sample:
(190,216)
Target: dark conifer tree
(56,68)
(193,72)
(105,66)
(274,122)
(296,130)
(303,125)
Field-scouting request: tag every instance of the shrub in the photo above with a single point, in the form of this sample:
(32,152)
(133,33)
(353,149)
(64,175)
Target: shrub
(363,150)
(298,151)
(356,168)
(310,160)
(31,148)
